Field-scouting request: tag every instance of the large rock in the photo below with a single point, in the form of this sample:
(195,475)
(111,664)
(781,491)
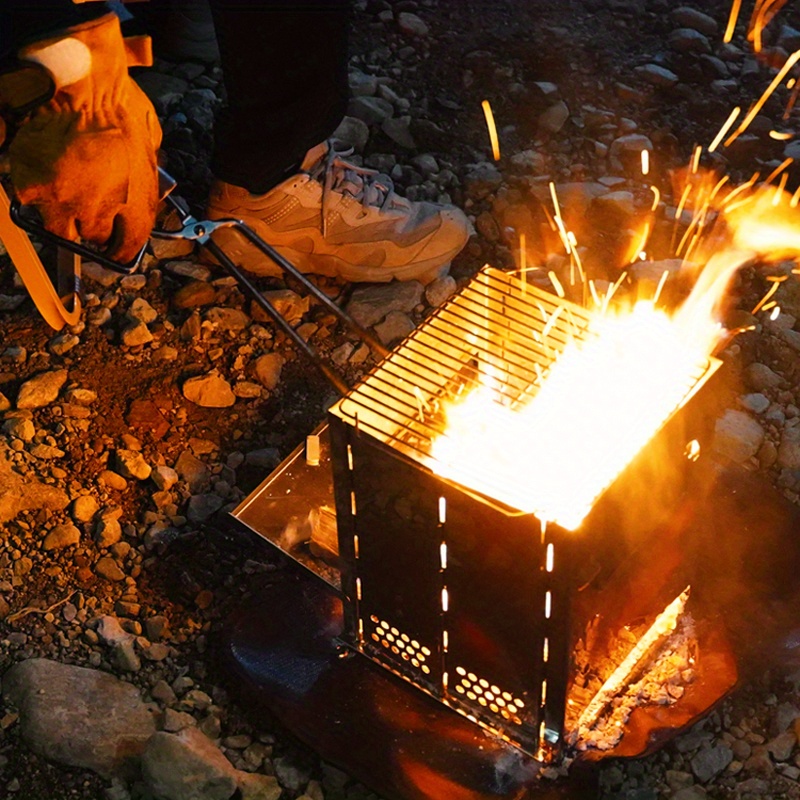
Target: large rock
(688,40)
(789,449)
(371,110)
(267,369)
(626,152)
(232,320)
(203,506)
(396,326)
(290,305)
(131,464)
(187,766)
(42,389)
(134,332)
(656,75)
(737,436)
(411,24)
(61,536)
(209,391)
(691,18)
(79,717)
(192,470)
(554,118)
(354,132)
(18,493)
(371,304)
(760,377)
(710,761)
(254,786)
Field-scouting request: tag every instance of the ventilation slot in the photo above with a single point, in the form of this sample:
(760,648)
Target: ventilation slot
(400,645)
(488,696)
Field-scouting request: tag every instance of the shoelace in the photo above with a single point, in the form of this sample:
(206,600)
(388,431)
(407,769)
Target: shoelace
(338,176)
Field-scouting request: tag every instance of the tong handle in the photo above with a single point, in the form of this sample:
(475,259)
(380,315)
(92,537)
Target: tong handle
(200,231)
(21,216)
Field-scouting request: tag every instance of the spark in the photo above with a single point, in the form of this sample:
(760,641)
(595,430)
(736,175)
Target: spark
(758,105)
(724,129)
(696,159)
(656,197)
(779,189)
(697,223)
(593,290)
(795,87)
(682,202)
(772,289)
(734,16)
(610,293)
(739,190)
(552,321)
(690,249)
(562,230)
(776,312)
(777,171)
(421,404)
(645,162)
(523,263)
(716,189)
(762,16)
(661,282)
(556,284)
(639,251)
(780,136)
(487,112)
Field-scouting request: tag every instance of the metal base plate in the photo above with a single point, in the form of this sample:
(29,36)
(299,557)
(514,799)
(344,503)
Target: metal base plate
(737,543)
(287,662)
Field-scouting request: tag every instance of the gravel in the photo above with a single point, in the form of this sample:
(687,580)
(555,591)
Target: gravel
(124,437)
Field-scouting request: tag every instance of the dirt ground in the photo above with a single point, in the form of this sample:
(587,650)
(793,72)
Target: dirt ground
(476,49)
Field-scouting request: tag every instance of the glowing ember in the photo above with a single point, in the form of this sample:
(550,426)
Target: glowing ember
(664,625)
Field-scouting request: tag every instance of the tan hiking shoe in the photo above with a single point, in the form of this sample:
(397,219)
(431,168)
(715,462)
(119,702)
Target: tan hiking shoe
(334,218)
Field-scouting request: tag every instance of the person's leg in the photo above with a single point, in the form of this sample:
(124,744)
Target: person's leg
(285,71)
(181,30)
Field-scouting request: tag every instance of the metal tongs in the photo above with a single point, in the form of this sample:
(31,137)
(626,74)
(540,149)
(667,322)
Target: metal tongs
(200,231)
(59,302)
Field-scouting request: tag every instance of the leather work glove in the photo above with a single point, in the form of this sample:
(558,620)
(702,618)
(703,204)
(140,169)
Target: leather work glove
(87,158)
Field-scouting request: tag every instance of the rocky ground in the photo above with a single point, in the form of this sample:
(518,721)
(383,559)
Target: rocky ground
(124,438)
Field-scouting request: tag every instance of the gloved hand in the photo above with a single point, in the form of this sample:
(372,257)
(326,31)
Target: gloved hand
(87,159)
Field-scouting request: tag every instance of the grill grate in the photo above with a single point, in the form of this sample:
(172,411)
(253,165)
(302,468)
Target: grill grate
(497,329)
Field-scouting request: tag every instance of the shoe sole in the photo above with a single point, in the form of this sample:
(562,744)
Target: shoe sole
(249,258)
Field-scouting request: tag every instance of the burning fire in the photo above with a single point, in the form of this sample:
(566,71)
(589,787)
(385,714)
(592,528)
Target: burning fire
(599,404)
(608,393)
(554,452)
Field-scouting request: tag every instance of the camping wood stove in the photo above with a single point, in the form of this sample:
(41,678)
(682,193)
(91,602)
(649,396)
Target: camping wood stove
(476,604)
(422,597)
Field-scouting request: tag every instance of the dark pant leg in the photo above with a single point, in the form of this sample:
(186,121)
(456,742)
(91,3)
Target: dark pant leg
(285,70)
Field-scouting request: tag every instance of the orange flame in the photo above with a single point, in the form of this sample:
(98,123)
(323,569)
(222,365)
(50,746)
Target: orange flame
(606,395)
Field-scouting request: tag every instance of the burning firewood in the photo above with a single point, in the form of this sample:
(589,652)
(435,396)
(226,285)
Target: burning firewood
(636,660)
